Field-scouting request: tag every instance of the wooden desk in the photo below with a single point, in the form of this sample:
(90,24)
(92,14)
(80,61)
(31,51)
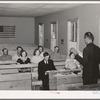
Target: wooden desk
(65,81)
(62,79)
(86,87)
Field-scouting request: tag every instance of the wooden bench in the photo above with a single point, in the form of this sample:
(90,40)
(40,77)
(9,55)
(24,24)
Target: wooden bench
(21,81)
(8,70)
(36,84)
(59,64)
(16,81)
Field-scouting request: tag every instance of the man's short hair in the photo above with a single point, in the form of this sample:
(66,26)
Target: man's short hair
(71,53)
(46,54)
(89,35)
(57,47)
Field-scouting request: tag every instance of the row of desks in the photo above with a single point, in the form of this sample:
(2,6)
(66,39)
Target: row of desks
(14,65)
(58,80)
(11,79)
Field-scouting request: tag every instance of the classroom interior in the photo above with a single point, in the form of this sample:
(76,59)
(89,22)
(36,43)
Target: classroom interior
(49,25)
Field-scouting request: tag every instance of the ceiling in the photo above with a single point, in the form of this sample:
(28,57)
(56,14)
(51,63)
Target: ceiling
(32,9)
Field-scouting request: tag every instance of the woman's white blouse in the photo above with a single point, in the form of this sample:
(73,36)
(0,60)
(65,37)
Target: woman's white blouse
(36,59)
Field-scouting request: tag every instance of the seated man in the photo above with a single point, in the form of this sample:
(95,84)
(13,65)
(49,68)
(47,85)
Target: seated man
(45,65)
(56,55)
(18,54)
(5,56)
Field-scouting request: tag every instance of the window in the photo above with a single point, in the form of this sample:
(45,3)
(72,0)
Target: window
(7,31)
(74,31)
(53,29)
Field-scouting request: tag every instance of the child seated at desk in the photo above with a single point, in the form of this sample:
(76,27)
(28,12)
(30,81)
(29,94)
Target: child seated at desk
(71,62)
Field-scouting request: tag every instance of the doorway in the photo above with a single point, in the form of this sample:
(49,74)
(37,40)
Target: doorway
(54,35)
(99,33)
(73,34)
(41,34)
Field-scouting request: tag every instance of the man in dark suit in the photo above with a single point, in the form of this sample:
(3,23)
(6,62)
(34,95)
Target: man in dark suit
(90,60)
(45,65)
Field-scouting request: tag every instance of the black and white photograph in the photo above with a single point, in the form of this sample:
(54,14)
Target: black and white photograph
(50,47)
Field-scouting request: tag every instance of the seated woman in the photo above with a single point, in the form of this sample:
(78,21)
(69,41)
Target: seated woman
(24,60)
(80,53)
(41,50)
(36,58)
(5,56)
(56,55)
(71,62)
(16,56)
(45,65)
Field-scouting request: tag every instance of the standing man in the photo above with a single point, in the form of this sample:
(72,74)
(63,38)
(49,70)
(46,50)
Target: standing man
(90,60)
(45,65)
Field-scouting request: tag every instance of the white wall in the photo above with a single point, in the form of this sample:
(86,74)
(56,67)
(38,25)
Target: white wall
(24,33)
(89,20)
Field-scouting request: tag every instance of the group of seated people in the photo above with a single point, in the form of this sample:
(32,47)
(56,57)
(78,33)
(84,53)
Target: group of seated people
(47,65)
(21,57)
(44,60)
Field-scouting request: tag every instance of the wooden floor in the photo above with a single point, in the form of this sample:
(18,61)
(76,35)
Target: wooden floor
(86,87)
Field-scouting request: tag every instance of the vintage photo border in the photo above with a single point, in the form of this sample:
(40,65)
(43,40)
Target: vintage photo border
(49,94)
